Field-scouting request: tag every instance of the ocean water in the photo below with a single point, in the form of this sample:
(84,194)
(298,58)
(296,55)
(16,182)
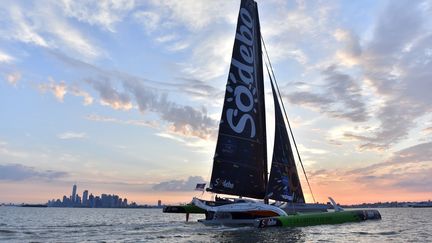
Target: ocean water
(151,225)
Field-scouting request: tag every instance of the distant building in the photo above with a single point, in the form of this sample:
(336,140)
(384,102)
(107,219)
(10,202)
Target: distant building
(91,203)
(159,203)
(74,189)
(98,202)
(66,202)
(114,201)
(105,201)
(85,198)
(77,200)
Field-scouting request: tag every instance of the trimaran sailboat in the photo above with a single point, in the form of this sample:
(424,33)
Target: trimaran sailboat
(240,160)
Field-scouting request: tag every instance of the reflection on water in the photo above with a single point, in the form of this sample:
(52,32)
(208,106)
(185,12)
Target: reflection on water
(151,225)
(267,235)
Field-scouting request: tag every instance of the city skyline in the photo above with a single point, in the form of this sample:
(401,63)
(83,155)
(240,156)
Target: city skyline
(125,96)
(91,201)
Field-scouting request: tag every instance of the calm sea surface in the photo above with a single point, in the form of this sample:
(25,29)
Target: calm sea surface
(151,225)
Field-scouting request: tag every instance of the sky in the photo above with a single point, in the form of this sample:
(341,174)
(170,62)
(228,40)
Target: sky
(124,97)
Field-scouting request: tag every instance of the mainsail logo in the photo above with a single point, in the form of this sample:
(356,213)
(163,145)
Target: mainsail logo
(224,183)
(242,77)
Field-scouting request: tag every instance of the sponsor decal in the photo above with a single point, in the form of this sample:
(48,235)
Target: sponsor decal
(267,222)
(224,183)
(242,77)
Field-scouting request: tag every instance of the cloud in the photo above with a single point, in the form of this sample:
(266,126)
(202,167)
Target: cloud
(395,123)
(72,135)
(382,76)
(6,58)
(288,28)
(121,91)
(170,136)
(43,25)
(98,118)
(409,178)
(198,89)
(72,40)
(186,13)
(111,96)
(7,151)
(76,91)
(210,52)
(427,130)
(421,183)
(396,63)
(183,119)
(21,28)
(414,154)
(59,90)
(100,13)
(349,56)
(309,150)
(18,172)
(340,97)
(149,20)
(204,32)
(13,78)
(408,169)
(166,38)
(179,185)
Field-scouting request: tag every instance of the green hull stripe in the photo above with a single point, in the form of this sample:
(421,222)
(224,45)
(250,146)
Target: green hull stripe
(311,219)
(320,218)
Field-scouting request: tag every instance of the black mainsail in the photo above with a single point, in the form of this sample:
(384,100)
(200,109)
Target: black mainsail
(284,183)
(240,160)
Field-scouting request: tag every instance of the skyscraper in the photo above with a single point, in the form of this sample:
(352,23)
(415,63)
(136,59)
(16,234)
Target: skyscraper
(84,198)
(91,201)
(74,188)
(77,200)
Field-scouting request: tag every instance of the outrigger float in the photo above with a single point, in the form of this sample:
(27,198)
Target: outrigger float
(240,160)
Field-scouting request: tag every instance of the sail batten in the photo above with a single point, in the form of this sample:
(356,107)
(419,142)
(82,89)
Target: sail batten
(240,164)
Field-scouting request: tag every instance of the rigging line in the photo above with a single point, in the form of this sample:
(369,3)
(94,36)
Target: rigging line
(286,116)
